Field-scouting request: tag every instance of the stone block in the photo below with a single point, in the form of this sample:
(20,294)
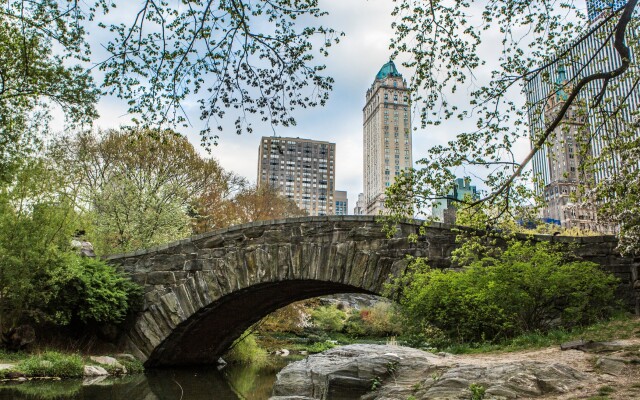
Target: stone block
(160,278)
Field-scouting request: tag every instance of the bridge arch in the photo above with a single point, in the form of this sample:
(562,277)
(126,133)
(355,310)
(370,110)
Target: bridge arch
(201,293)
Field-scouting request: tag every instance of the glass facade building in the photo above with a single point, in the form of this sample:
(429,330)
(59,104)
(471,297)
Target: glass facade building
(587,55)
(595,8)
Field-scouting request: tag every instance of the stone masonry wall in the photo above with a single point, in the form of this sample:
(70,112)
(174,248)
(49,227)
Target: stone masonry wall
(201,293)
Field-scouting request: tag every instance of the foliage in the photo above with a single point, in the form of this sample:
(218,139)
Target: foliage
(292,318)
(51,363)
(383,319)
(319,347)
(376,382)
(33,80)
(620,327)
(42,279)
(139,186)
(477,391)
(93,291)
(530,287)
(246,350)
(144,188)
(328,318)
(132,366)
(446,42)
(263,203)
(252,57)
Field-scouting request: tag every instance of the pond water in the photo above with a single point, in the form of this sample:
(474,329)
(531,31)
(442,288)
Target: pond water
(235,382)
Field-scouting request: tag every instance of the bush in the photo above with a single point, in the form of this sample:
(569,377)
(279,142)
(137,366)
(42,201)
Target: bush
(527,288)
(329,318)
(245,350)
(382,320)
(92,291)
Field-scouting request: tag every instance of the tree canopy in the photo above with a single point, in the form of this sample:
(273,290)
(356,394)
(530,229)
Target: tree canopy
(256,59)
(446,43)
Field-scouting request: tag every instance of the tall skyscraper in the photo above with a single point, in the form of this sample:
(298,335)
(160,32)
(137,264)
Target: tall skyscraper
(586,56)
(563,156)
(300,169)
(387,135)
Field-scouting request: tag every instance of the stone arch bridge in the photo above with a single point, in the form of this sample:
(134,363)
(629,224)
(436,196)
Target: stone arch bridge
(201,293)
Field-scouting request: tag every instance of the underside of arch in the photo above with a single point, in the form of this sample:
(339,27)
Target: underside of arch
(208,333)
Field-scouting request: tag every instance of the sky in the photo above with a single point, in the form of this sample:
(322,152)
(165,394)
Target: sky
(353,64)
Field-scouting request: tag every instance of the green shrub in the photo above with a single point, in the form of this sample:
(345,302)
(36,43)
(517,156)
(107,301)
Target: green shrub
(477,391)
(329,318)
(51,363)
(354,325)
(527,288)
(132,366)
(319,347)
(245,350)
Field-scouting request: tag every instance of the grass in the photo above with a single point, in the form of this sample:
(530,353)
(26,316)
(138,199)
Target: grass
(53,364)
(605,390)
(620,327)
(11,357)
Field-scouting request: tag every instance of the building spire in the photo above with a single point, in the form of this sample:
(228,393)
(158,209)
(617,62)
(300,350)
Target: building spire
(388,69)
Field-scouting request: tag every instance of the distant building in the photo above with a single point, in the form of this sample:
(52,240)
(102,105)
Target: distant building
(359,209)
(596,8)
(386,134)
(300,169)
(588,55)
(342,203)
(444,210)
(563,155)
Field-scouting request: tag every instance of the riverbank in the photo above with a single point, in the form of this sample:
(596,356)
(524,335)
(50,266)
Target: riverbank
(56,365)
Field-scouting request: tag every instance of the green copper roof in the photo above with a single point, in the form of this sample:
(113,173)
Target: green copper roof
(561,79)
(389,69)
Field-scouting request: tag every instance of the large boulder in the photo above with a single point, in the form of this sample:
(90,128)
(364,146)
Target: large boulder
(393,372)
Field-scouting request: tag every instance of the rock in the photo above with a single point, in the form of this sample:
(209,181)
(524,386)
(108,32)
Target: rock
(126,356)
(84,248)
(574,345)
(610,366)
(282,352)
(110,362)
(94,370)
(18,338)
(396,372)
(593,347)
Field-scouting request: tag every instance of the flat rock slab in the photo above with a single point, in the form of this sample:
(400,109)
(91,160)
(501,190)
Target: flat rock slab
(394,372)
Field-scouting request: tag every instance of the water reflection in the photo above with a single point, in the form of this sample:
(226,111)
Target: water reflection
(232,383)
